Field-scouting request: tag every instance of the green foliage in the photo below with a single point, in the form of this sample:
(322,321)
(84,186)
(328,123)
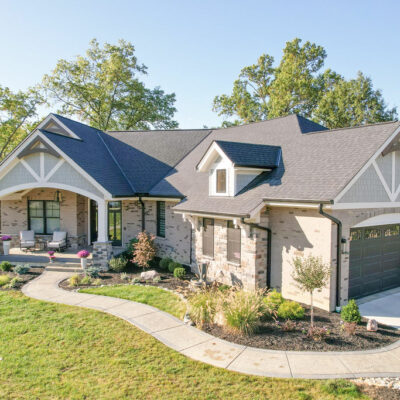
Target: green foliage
(97,282)
(74,280)
(4,280)
(273,299)
(93,272)
(297,85)
(203,307)
(17,117)
(86,280)
(117,264)
(179,273)
(124,276)
(243,310)
(224,288)
(6,266)
(145,249)
(340,387)
(173,265)
(103,89)
(290,310)
(157,279)
(14,283)
(22,269)
(350,312)
(165,261)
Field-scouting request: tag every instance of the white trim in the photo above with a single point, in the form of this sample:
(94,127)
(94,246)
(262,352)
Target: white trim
(383,181)
(352,206)
(366,165)
(89,238)
(203,164)
(53,118)
(394,172)
(205,215)
(383,219)
(42,166)
(30,170)
(296,205)
(34,185)
(54,169)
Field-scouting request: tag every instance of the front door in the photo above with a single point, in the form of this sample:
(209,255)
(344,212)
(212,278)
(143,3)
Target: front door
(115,223)
(93,221)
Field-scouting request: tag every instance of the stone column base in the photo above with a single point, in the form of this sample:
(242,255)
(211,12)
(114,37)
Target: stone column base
(102,253)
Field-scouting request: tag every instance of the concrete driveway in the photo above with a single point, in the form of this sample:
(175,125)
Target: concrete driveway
(384,307)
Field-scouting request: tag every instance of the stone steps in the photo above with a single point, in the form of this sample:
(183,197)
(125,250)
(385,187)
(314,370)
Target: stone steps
(65,268)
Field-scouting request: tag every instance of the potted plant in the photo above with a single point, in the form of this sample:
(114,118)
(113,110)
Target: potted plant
(52,257)
(83,255)
(6,244)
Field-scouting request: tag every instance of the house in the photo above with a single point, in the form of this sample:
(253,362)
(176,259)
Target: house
(245,200)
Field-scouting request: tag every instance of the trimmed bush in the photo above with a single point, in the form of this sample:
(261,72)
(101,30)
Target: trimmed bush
(179,273)
(4,280)
(350,312)
(243,310)
(21,269)
(6,266)
(164,263)
(74,280)
(14,282)
(124,276)
(203,307)
(93,272)
(86,280)
(273,300)
(173,265)
(290,310)
(97,282)
(118,264)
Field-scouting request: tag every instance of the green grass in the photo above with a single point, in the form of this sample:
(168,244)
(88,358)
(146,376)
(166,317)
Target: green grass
(151,295)
(53,351)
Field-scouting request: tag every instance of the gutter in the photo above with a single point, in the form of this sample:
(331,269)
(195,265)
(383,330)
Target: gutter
(338,252)
(269,242)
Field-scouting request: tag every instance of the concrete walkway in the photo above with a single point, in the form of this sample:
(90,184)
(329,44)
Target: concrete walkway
(200,346)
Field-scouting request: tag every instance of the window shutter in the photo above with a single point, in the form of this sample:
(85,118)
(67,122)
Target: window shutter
(161,218)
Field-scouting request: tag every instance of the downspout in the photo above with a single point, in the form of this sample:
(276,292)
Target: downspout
(143,214)
(338,252)
(269,242)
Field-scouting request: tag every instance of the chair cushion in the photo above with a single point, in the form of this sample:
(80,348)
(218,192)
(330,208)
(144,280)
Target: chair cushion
(27,243)
(27,235)
(56,244)
(58,235)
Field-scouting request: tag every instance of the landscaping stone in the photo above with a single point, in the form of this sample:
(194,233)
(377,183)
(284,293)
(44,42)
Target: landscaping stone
(149,275)
(372,325)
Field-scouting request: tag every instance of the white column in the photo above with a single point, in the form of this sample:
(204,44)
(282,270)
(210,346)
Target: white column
(102,215)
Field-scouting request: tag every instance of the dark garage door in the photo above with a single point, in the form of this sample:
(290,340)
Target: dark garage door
(374,259)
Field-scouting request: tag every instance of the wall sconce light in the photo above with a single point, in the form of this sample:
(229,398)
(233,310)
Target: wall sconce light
(58,196)
(344,246)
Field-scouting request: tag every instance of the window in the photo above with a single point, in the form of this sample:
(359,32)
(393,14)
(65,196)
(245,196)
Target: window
(44,216)
(115,222)
(208,237)
(233,243)
(221,181)
(393,230)
(355,235)
(161,218)
(372,233)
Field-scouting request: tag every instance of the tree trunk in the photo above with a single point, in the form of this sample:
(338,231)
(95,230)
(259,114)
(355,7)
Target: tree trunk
(312,310)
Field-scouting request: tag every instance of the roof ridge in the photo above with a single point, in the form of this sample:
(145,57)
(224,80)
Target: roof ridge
(162,130)
(352,127)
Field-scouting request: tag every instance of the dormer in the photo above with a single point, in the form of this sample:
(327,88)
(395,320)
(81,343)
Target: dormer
(233,165)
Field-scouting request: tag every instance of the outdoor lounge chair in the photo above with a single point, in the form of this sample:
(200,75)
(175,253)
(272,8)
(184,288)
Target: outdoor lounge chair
(59,241)
(27,240)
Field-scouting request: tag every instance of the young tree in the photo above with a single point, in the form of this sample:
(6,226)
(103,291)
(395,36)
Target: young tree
(311,274)
(102,88)
(17,117)
(297,85)
(144,249)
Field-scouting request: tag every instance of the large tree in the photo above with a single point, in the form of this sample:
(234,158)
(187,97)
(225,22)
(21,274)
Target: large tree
(18,112)
(103,89)
(297,85)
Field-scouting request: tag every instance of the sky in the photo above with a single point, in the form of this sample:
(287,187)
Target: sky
(195,48)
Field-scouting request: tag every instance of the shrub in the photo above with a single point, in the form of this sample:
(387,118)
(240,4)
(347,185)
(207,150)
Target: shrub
(128,253)
(224,288)
(349,328)
(274,299)
(124,276)
(144,250)
(74,280)
(173,265)
(93,272)
(4,280)
(157,279)
(14,282)
(134,281)
(86,280)
(203,307)
(350,312)
(179,273)
(97,282)
(317,333)
(310,273)
(243,310)
(21,269)
(118,264)
(6,266)
(165,262)
(290,310)
(289,326)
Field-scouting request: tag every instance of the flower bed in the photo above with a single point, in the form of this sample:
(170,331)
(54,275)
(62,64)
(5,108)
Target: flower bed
(10,280)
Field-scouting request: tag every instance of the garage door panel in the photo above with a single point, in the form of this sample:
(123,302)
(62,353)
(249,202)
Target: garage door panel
(374,260)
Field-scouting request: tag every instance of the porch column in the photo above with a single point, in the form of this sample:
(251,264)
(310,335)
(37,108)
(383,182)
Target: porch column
(102,248)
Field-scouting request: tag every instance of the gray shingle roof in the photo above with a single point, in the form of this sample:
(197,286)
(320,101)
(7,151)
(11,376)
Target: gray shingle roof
(251,155)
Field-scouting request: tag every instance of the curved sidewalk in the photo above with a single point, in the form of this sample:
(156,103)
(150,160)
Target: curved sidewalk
(201,346)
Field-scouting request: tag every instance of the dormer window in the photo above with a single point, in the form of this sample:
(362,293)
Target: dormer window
(221,181)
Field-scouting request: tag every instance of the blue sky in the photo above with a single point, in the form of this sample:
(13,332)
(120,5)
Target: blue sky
(197,48)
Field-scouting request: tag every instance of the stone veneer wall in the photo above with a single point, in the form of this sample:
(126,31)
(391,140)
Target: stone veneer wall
(301,232)
(176,243)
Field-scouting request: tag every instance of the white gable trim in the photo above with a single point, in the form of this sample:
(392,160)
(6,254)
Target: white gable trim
(52,117)
(370,162)
(30,170)
(208,158)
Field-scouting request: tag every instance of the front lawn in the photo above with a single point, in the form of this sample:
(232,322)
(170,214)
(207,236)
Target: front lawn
(151,295)
(54,351)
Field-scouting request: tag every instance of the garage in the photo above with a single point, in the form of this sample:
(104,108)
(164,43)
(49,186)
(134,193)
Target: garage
(374,259)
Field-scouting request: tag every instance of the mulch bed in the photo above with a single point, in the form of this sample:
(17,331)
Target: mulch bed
(380,393)
(271,336)
(33,273)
